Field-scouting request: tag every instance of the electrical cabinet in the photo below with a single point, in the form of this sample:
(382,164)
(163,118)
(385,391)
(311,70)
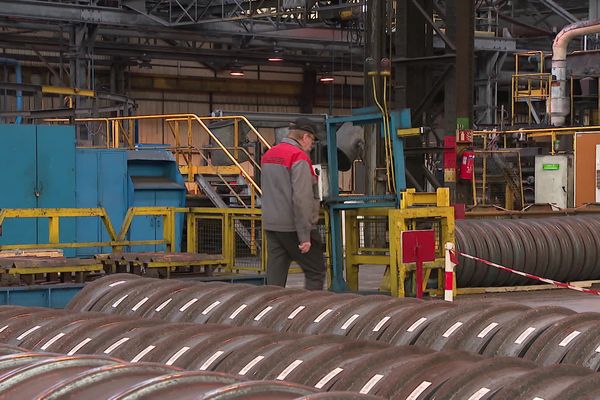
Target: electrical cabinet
(101,181)
(38,172)
(554,180)
(154,181)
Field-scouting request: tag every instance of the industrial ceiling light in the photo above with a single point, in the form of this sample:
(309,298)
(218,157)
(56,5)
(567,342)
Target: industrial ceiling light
(277,55)
(327,78)
(236,69)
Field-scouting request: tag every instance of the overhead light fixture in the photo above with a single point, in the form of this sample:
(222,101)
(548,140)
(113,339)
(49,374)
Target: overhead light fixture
(236,69)
(327,79)
(276,55)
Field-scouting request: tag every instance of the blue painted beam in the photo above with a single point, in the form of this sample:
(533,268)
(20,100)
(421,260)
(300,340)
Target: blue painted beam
(54,296)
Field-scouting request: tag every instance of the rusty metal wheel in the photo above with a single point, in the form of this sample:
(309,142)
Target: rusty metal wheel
(26,381)
(543,383)
(95,290)
(407,327)
(177,386)
(558,340)
(515,340)
(482,380)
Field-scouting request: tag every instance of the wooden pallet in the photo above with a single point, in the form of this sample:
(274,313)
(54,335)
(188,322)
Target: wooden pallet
(32,253)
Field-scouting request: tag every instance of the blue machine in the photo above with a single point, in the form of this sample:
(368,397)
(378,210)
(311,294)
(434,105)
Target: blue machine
(337,203)
(101,181)
(38,171)
(155,181)
(43,169)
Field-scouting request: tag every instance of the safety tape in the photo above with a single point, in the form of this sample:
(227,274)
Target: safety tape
(537,278)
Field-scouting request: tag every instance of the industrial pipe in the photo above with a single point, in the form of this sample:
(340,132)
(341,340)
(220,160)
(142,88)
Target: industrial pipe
(560,103)
(298,365)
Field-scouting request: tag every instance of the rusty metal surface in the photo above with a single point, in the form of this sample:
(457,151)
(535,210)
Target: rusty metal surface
(289,365)
(481,380)
(487,328)
(49,376)
(543,383)
(558,340)
(84,301)
(519,334)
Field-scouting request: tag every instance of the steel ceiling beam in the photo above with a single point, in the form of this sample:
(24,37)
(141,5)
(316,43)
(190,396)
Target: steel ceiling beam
(560,11)
(129,50)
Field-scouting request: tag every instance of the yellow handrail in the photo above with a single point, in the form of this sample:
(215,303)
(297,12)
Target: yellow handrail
(116,121)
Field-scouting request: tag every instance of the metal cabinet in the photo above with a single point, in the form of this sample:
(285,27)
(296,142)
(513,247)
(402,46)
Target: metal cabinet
(38,171)
(154,181)
(101,181)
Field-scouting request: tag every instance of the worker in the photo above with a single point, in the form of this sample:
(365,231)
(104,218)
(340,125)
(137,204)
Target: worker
(290,207)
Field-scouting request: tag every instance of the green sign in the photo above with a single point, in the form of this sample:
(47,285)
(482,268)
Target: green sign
(551,167)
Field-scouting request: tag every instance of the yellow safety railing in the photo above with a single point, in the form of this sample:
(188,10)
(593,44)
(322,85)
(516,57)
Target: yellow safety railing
(117,241)
(120,131)
(241,235)
(236,242)
(529,88)
(229,240)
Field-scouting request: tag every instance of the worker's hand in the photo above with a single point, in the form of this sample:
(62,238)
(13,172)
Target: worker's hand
(304,247)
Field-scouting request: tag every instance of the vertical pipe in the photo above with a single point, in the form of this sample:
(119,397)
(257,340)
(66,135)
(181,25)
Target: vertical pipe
(375,34)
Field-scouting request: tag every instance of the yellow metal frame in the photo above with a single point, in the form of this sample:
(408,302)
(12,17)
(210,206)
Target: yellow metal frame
(572,97)
(54,215)
(538,84)
(117,241)
(228,218)
(354,254)
(414,207)
(484,179)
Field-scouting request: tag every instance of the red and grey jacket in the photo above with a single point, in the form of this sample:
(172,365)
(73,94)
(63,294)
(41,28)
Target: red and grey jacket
(290,202)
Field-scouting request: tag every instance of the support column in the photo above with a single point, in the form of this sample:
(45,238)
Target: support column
(375,45)
(307,94)
(458,99)
(81,68)
(413,45)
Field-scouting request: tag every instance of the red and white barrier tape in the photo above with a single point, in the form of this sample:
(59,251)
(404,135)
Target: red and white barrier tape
(537,278)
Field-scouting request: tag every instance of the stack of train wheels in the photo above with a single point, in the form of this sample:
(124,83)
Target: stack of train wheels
(564,249)
(38,375)
(228,361)
(547,335)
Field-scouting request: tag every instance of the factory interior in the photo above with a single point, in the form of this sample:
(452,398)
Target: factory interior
(454,155)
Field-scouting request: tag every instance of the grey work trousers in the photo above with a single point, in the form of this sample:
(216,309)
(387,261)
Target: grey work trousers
(282,249)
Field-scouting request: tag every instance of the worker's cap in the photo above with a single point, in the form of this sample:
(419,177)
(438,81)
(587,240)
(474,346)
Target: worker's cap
(305,124)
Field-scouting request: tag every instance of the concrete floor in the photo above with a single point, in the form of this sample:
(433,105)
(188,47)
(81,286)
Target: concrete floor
(370,277)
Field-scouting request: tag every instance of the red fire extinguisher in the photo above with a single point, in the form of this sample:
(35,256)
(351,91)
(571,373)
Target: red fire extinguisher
(467,165)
